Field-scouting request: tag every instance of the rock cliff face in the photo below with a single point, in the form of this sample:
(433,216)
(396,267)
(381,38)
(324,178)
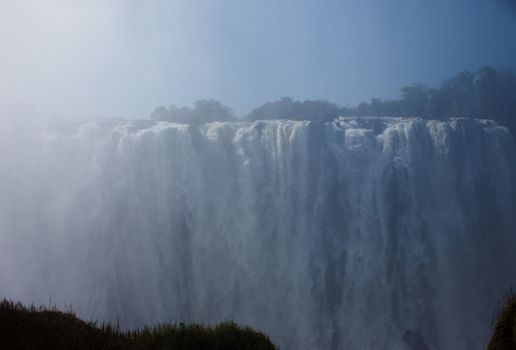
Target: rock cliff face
(362,233)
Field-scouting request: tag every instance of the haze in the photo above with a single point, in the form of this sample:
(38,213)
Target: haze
(86,59)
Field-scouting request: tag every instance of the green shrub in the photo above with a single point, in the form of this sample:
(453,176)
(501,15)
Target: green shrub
(35,328)
(504,337)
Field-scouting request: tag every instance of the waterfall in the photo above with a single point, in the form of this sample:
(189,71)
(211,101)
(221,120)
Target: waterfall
(361,233)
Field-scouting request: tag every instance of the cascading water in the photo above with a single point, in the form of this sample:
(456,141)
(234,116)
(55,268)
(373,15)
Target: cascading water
(362,233)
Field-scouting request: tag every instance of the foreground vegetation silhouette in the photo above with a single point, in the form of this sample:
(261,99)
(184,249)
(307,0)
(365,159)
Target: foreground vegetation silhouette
(504,336)
(34,328)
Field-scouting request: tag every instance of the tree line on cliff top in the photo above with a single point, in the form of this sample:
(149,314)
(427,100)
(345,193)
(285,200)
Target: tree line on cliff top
(489,93)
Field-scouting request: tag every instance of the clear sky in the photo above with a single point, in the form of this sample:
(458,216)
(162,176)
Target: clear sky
(94,58)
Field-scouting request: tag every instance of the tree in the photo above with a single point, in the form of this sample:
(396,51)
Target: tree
(413,100)
(204,111)
(287,108)
(212,110)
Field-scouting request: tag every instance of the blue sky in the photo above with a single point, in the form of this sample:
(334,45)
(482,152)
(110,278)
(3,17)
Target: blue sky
(94,58)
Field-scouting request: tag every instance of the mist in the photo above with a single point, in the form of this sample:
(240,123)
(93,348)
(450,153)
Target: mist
(95,59)
(337,175)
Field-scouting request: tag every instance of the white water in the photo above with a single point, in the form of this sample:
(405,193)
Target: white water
(354,234)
